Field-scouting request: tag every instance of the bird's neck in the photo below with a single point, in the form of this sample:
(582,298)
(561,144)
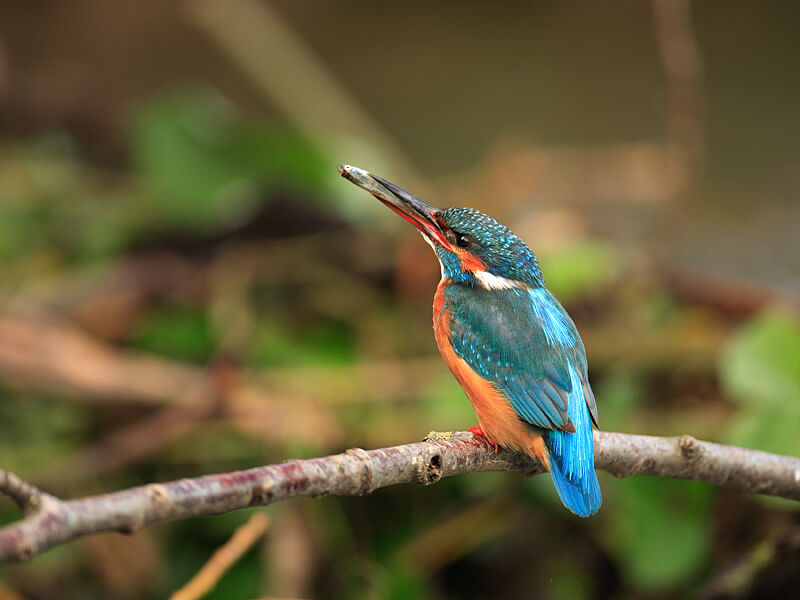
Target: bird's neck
(522,276)
(485,280)
(453,274)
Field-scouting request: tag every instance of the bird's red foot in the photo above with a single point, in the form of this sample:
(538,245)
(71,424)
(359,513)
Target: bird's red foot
(476,430)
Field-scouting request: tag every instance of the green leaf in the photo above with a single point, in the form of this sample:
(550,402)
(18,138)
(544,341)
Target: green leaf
(660,530)
(762,361)
(395,582)
(20,232)
(622,393)
(325,342)
(580,268)
(177,333)
(760,428)
(570,581)
(760,371)
(35,429)
(445,405)
(208,164)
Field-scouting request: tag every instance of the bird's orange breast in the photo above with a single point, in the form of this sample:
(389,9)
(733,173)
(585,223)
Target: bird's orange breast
(496,416)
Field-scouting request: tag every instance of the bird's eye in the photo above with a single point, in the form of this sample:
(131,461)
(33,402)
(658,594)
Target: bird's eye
(462,240)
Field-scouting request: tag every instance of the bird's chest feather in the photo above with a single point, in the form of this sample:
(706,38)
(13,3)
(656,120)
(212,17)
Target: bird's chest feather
(495,413)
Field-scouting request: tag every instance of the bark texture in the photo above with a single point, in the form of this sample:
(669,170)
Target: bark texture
(50,521)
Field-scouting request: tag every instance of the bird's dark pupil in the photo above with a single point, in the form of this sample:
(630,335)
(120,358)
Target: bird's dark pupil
(462,241)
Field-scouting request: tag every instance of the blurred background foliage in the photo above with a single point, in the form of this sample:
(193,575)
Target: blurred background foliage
(189,287)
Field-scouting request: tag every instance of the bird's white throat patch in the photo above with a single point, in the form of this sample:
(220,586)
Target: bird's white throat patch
(495,282)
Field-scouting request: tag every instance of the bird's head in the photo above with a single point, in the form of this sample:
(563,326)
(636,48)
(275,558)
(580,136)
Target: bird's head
(472,247)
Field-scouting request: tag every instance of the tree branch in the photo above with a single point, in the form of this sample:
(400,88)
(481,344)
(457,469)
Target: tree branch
(25,495)
(51,521)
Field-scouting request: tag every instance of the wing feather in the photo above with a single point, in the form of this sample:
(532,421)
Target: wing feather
(525,343)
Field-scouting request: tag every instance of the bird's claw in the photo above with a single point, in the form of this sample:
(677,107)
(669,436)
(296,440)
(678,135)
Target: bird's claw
(476,430)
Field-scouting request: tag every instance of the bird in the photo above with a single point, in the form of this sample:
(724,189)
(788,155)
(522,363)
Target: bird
(507,340)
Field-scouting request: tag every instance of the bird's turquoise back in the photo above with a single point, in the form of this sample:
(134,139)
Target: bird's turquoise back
(524,342)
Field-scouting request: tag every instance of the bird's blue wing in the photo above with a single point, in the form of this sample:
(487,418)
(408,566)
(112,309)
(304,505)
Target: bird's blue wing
(525,343)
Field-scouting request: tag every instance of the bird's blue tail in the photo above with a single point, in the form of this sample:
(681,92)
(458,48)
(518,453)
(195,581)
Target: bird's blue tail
(572,457)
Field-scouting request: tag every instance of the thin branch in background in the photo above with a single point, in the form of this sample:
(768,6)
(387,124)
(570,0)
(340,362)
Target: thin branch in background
(239,543)
(48,355)
(281,65)
(455,536)
(744,574)
(4,71)
(681,63)
(728,295)
(358,472)
(6,593)
(292,553)
(45,354)
(683,79)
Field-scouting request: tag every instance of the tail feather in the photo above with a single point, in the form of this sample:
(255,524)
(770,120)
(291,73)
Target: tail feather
(572,457)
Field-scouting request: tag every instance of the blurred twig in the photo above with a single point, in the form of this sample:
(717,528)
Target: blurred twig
(53,356)
(4,71)
(207,577)
(288,73)
(730,296)
(745,578)
(6,593)
(636,174)
(292,554)
(358,472)
(683,87)
(683,75)
(451,538)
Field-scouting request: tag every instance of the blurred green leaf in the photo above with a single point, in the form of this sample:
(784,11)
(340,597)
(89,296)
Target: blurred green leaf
(762,361)
(578,269)
(208,164)
(569,581)
(621,393)
(220,445)
(660,530)
(395,582)
(183,333)
(20,233)
(95,228)
(51,203)
(760,370)
(33,430)
(327,342)
(762,429)
(445,406)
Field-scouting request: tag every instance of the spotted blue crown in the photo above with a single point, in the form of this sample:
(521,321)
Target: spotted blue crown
(495,244)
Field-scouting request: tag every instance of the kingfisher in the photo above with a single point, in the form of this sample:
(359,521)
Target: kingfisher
(507,340)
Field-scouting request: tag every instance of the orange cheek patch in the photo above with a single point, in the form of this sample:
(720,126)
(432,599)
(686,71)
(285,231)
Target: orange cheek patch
(470,262)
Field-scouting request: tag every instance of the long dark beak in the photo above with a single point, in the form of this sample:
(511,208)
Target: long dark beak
(420,214)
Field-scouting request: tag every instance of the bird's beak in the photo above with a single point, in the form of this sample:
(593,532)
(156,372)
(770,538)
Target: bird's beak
(420,214)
